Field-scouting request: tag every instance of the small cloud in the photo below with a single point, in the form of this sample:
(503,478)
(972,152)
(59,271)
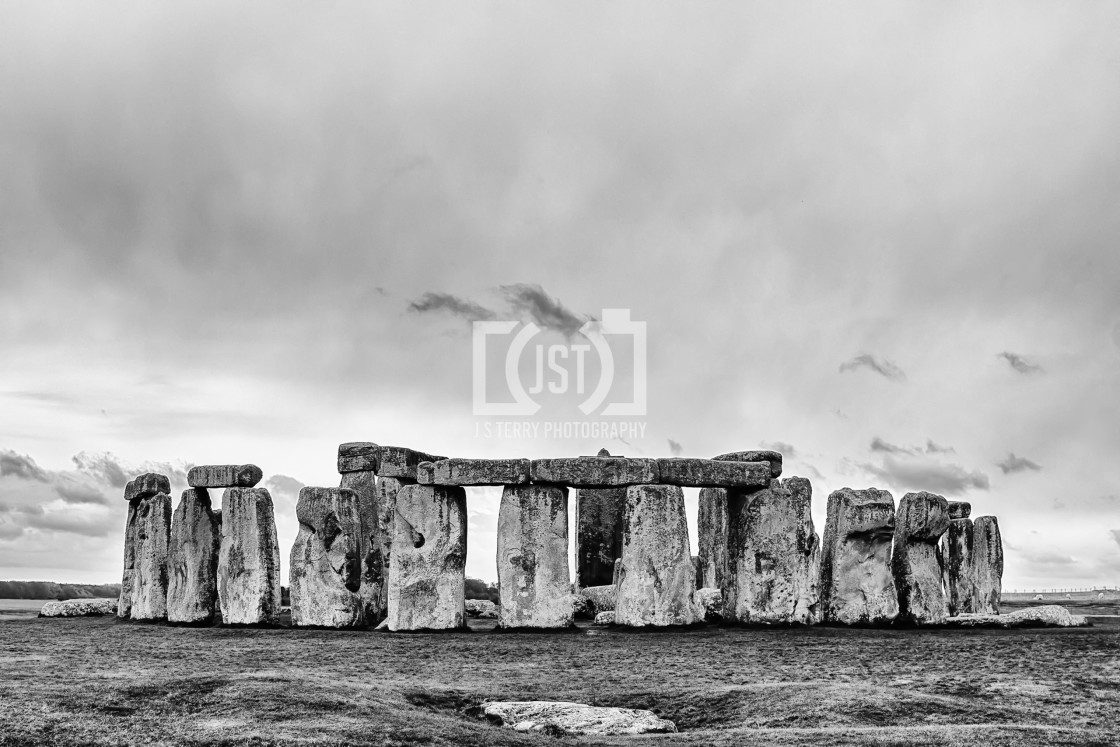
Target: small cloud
(1017,464)
(786,450)
(19,465)
(1019,363)
(878,444)
(1044,556)
(284,484)
(461,307)
(72,491)
(932,448)
(105,466)
(675,448)
(924,474)
(881,366)
(1115,535)
(547,312)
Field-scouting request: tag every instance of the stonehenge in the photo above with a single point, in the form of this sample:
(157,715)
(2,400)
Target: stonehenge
(387,547)
(196,541)
(857,586)
(916,563)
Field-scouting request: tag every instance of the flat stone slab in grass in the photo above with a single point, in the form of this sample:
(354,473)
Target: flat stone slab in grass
(358,456)
(398,461)
(594,472)
(146,485)
(575,718)
(1047,616)
(79,608)
(757,455)
(224,476)
(710,473)
(464,472)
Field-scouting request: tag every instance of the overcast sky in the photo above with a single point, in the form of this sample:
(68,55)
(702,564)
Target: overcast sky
(883,238)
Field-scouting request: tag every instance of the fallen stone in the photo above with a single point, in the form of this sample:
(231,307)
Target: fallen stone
(533,582)
(604,618)
(426,579)
(325,568)
(712,473)
(857,587)
(224,476)
(959,509)
(599,515)
(959,572)
(1048,616)
(921,520)
(473,472)
(773,556)
(358,456)
(711,533)
(562,718)
(371,544)
(763,455)
(657,580)
(594,472)
(711,601)
(79,608)
(397,461)
(987,562)
(482,608)
(146,485)
(249,560)
(196,542)
(124,601)
(599,598)
(150,577)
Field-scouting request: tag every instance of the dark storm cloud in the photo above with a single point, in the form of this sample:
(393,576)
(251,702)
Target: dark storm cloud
(1019,363)
(451,304)
(925,474)
(881,366)
(675,448)
(546,311)
(786,450)
(1014,464)
(19,465)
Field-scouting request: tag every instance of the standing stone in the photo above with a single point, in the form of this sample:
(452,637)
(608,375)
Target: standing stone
(599,517)
(533,584)
(856,582)
(249,562)
(153,537)
(371,545)
(960,574)
(657,581)
(196,542)
(773,553)
(325,569)
(358,456)
(124,601)
(387,490)
(711,532)
(987,562)
(426,578)
(916,564)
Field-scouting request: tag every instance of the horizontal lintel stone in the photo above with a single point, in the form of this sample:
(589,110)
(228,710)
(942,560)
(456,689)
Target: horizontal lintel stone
(146,485)
(594,472)
(398,461)
(709,473)
(465,472)
(358,456)
(224,476)
(757,455)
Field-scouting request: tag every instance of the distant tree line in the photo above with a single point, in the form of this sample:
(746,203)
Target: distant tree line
(479,589)
(51,590)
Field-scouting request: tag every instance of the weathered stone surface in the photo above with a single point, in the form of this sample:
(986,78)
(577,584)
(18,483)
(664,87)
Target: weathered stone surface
(599,598)
(146,485)
(249,561)
(426,579)
(921,520)
(604,618)
(711,534)
(325,568)
(575,718)
(124,601)
(481,608)
(196,542)
(1047,616)
(79,608)
(712,473)
(473,472)
(759,455)
(987,562)
(959,509)
(387,490)
(594,472)
(358,456)
(657,581)
(371,545)
(150,577)
(711,601)
(533,583)
(856,582)
(397,461)
(599,515)
(224,476)
(773,555)
(959,572)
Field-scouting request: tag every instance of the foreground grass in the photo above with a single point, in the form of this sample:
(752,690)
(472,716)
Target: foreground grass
(99,681)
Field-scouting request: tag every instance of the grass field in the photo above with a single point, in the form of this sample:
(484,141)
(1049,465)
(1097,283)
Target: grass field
(100,681)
